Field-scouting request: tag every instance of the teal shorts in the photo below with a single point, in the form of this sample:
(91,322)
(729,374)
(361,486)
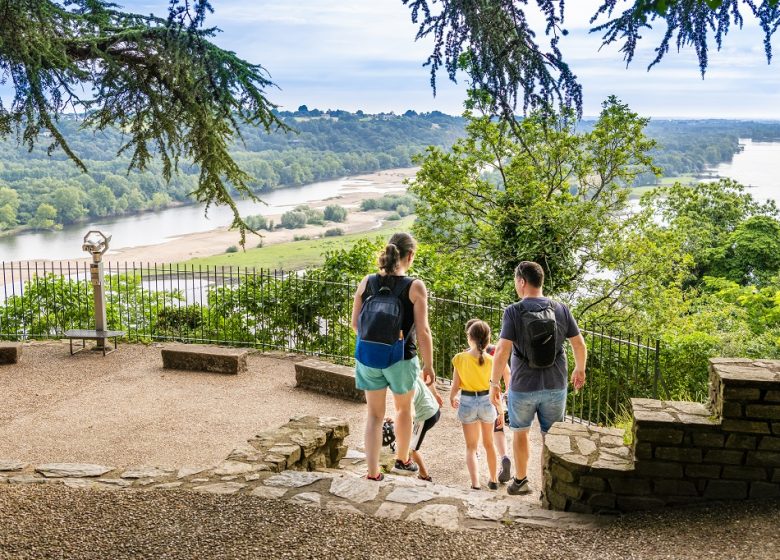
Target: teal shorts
(399,377)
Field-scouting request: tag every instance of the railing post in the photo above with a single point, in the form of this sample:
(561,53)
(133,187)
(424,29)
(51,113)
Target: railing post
(657,368)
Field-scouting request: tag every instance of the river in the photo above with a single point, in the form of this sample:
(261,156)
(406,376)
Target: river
(756,167)
(158,227)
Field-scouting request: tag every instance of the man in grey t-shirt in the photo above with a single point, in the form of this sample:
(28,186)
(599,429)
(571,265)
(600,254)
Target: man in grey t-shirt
(534,391)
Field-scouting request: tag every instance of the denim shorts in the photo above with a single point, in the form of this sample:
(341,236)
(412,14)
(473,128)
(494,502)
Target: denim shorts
(399,377)
(476,409)
(549,406)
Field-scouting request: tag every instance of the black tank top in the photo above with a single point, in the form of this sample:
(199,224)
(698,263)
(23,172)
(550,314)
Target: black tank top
(410,344)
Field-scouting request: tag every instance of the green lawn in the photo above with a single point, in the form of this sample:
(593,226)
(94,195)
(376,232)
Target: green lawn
(296,255)
(637,192)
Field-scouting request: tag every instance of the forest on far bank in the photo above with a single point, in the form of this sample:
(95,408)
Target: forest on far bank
(44,192)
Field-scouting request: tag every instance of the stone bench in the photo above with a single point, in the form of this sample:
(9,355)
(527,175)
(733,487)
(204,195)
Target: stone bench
(329,379)
(10,352)
(204,358)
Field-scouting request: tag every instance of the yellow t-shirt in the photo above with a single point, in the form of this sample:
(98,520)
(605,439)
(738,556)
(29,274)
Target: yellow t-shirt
(473,377)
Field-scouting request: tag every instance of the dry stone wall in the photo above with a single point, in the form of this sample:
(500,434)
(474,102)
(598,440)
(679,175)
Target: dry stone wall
(682,452)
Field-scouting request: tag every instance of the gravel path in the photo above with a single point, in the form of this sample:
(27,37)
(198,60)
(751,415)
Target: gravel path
(56,522)
(124,410)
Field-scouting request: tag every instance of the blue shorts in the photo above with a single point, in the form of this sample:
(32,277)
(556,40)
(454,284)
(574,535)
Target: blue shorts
(476,409)
(399,377)
(549,406)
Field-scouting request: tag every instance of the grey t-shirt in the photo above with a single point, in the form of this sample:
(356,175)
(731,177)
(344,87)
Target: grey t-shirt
(524,378)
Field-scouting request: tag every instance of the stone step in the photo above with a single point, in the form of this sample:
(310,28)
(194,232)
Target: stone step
(329,379)
(195,357)
(10,352)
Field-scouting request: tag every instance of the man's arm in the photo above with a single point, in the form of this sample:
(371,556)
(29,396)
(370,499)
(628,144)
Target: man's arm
(500,358)
(580,359)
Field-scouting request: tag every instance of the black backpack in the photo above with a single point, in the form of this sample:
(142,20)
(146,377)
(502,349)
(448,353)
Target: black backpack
(539,334)
(380,340)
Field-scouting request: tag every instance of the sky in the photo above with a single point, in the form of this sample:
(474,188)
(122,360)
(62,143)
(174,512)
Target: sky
(361,54)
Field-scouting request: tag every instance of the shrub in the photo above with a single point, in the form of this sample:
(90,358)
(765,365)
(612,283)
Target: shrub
(293,219)
(335,213)
(256,222)
(232,249)
(313,216)
(334,232)
(301,237)
(403,210)
(394,216)
(368,204)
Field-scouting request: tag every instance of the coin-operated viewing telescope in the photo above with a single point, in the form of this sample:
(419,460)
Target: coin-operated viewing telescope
(96,244)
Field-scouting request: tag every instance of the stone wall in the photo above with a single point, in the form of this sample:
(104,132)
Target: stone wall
(682,452)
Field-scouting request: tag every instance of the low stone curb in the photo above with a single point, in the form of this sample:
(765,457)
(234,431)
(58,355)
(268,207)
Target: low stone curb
(305,462)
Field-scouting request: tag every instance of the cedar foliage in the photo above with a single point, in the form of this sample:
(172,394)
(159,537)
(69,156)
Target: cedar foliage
(171,91)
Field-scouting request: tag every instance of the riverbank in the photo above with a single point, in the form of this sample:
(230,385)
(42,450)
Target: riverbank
(216,241)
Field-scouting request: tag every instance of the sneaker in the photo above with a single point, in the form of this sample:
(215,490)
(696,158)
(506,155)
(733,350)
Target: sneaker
(378,478)
(409,467)
(505,474)
(518,487)
(425,478)
(492,485)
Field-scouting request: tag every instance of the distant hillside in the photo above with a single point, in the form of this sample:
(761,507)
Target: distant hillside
(41,191)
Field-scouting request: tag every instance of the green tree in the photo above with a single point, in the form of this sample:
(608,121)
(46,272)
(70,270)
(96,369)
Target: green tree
(751,254)
(705,216)
(101,202)
(69,203)
(160,79)
(45,216)
(9,205)
(550,195)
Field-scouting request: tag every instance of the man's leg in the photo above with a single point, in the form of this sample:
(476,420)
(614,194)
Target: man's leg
(522,452)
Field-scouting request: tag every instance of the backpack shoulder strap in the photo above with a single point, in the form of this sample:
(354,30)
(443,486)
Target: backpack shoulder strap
(401,284)
(373,285)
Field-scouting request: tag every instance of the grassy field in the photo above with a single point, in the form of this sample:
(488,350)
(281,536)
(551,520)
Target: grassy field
(296,255)
(637,192)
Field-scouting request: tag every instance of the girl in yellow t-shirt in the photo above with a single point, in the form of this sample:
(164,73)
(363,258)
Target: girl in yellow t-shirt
(471,376)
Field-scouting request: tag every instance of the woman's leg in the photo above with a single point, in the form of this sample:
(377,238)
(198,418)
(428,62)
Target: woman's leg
(499,441)
(471,434)
(490,450)
(403,424)
(417,458)
(375,417)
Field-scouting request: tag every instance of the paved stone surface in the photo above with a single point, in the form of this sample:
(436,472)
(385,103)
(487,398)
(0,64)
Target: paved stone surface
(269,492)
(228,468)
(145,472)
(410,495)
(390,510)
(220,488)
(355,490)
(493,511)
(184,472)
(439,515)
(306,498)
(75,470)
(294,479)
(7,466)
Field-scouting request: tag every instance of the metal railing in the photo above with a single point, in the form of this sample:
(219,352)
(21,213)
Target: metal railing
(290,312)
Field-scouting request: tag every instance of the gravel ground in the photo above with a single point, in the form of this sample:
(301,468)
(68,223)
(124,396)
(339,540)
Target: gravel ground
(56,522)
(124,410)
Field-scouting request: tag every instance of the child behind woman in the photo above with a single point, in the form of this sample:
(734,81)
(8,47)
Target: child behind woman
(471,376)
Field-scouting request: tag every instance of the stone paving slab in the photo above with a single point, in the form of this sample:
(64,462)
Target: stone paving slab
(337,490)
